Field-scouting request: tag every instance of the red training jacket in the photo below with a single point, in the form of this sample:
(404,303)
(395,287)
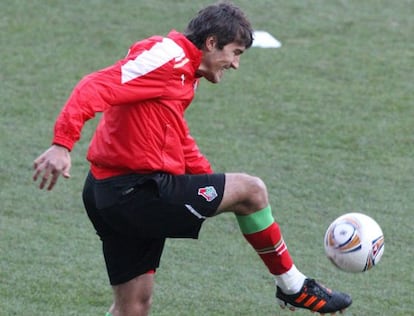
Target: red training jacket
(143,98)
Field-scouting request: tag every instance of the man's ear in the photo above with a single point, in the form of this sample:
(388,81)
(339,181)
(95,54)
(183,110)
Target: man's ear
(211,42)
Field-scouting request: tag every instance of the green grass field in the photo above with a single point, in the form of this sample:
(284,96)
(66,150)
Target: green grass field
(327,121)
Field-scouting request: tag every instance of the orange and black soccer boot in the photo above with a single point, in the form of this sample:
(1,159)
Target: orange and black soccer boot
(314,297)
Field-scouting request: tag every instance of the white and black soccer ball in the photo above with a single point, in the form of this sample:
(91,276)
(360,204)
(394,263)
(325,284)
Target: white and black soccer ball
(354,242)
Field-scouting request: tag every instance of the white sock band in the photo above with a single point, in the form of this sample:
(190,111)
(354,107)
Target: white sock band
(290,282)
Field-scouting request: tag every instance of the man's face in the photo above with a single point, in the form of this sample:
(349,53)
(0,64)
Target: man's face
(215,60)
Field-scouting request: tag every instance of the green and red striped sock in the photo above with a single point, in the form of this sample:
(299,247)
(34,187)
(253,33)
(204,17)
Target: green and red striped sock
(264,235)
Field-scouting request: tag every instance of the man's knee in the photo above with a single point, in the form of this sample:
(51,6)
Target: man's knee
(139,307)
(134,297)
(259,188)
(244,194)
(257,198)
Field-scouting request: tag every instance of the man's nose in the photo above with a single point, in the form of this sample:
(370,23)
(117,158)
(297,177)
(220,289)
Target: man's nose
(236,62)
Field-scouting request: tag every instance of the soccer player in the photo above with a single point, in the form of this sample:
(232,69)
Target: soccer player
(148,180)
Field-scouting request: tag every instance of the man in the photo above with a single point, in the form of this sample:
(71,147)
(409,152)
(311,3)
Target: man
(148,180)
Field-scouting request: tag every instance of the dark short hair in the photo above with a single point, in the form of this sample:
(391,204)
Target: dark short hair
(225,21)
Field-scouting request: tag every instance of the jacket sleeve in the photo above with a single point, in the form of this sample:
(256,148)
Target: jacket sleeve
(100,90)
(77,110)
(195,161)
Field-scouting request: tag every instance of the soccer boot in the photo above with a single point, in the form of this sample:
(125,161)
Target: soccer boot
(314,297)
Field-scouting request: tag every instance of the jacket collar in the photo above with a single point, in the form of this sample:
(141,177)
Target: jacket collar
(191,51)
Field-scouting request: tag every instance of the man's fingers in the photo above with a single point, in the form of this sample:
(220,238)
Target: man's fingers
(50,175)
(50,165)
(45,177)
(55,177)
(66,172)
(37,168)
(36,174)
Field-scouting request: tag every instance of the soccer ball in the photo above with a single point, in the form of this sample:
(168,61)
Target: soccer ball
(354,242)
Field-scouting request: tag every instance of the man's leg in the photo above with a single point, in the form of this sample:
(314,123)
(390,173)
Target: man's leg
(246,196)
(130,260)
(134,297)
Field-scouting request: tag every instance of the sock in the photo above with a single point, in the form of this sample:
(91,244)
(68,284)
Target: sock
(264,235)
(291,281)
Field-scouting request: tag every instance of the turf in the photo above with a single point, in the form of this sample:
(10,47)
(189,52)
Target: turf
(326,120)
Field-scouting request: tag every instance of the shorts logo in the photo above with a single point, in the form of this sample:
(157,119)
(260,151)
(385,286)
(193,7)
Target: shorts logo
(209,193)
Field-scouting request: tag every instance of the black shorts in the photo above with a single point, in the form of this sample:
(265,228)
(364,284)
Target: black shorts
(133,214)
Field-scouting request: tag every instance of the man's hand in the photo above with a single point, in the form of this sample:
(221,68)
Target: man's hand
(52,163)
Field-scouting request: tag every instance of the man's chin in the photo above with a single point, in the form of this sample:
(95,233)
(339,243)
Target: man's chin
(213,79)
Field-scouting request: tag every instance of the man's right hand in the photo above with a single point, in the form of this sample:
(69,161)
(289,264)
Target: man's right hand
(50,165)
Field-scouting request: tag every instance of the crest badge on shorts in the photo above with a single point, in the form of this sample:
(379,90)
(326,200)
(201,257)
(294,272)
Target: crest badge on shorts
(209,193)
